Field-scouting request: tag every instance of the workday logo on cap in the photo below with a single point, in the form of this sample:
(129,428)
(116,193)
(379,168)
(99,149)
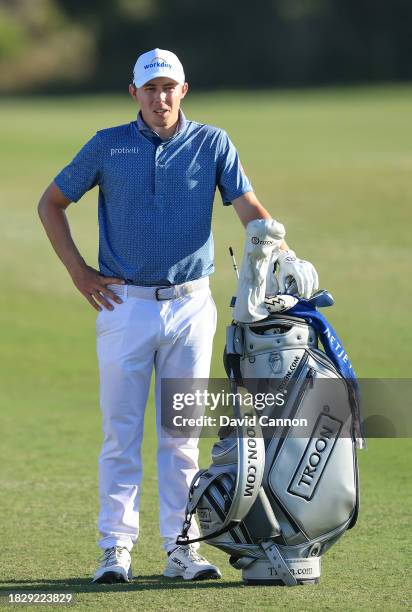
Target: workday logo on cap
(157,63)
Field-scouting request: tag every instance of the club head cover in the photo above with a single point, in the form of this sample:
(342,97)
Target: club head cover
(263,238)
(280,303)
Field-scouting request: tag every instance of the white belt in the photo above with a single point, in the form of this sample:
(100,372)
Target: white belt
(160,293)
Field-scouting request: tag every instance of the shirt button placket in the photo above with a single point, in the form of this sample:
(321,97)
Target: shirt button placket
(159,170)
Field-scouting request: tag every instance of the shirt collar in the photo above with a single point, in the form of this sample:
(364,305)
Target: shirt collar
(147,131)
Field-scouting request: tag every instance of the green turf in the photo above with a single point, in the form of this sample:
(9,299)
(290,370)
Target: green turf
(334,167)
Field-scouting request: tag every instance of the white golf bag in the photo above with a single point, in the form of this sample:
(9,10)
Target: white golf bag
(273,499)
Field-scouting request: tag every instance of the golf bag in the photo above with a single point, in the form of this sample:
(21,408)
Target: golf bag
(273,498)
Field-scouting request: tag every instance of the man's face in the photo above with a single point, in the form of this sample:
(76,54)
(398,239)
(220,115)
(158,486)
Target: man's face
(159,101)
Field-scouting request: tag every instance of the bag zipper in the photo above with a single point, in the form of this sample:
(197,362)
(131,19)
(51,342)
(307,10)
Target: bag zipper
(325,363)
(306,383)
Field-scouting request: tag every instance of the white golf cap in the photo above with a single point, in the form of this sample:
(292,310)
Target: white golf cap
(157,63)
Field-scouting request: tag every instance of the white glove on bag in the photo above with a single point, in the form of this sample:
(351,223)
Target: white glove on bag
(263,237)
(301,271)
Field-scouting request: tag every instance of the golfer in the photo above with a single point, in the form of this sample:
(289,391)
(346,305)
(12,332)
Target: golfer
(157,178)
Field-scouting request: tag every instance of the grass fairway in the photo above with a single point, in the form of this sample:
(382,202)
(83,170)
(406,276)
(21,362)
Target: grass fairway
(333,166)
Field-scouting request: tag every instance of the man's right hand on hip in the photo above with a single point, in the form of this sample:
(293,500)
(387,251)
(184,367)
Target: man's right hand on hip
(93,286)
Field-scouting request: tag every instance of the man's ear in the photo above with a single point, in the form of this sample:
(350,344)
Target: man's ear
(185,89)
(132,91)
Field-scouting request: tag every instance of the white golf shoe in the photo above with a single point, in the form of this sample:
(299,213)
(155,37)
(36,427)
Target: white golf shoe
(185,561)
(115,566)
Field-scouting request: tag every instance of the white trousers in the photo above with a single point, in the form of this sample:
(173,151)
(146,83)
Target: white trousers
(174,338)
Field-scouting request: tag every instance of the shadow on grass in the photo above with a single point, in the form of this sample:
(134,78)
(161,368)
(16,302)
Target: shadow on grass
(139,583)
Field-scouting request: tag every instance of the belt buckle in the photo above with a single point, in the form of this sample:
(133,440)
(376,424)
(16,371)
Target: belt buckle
(162,299)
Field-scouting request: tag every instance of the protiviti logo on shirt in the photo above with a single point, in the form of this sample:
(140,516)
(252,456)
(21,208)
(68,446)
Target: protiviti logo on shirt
(157,62)
(123,150)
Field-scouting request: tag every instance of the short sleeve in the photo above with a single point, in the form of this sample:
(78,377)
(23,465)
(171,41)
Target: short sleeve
(83,172)
(231,178)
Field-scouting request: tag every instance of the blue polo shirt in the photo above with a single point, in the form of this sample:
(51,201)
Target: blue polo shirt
(156,197)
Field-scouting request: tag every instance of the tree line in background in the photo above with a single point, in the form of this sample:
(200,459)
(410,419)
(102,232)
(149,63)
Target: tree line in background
(91,45)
